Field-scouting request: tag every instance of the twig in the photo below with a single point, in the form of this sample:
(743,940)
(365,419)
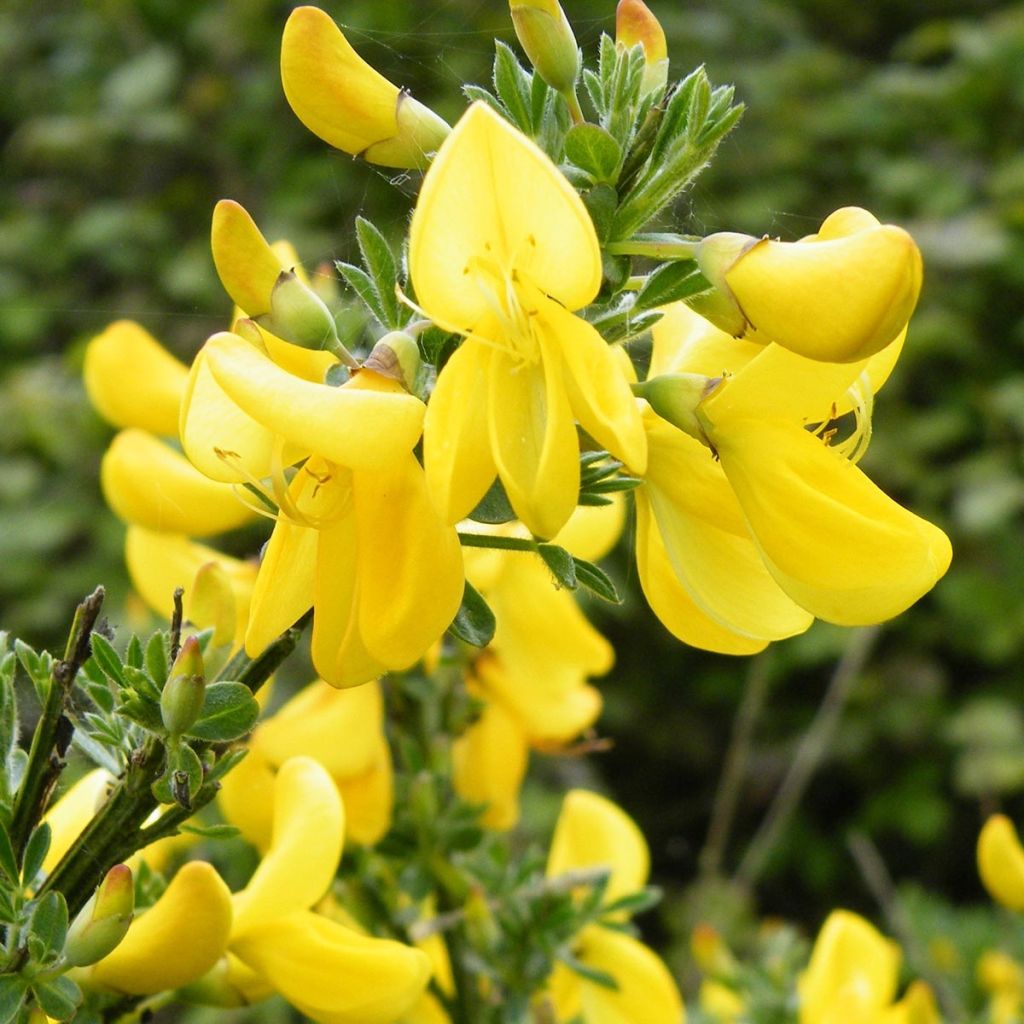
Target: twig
(53,731)
(880,884)
(734,770)
(809,754)
(176,619)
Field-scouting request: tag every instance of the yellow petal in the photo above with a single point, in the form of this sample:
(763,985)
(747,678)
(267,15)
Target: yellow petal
(247,266)
(148,483)
(285,585)
(646,990)
(838,299)
(534,442)
(132,380)
(599,395)
(491,194)
(489,764)
(353,426)
(160,562)
(591,831)
(835,543)
(72,812)
(671,601)
(333,974)
(427,1011)
(456,452)
(220,440)
(852,973)
(409,564)
(304,851)
(918,1006)
(709,547)
(369,798)
(684,342)
(246,799)
(212,604)
(332,90)
(1001,862)
(174,942)
(337,648)
(593,530)
(314,719)
(309,363)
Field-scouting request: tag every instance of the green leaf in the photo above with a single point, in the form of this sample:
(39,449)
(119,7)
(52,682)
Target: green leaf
(140,681)
(225,763)
(593,149)
(512,86)
(561,564)
(8,862)
(635,902)
(12,994)
(35,853)
(8,720)
(37,667)
(182,778)
(211,831)
(601,201)
(59,998)
(494,507)
(382,268)
(477,94)
(671,282)
(362,284)
(596,580)
(474,621)
(156,658)
(107,658)
(133,652)
(48,926)
(229,711)
(144,712)
(594,974)
(100,695)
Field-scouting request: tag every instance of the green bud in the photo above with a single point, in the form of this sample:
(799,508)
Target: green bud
(716,255)
(298,315)
(397,357)
(675,398)
(419,136)
(182,699)
(547,39)
(103,922)
(480,924)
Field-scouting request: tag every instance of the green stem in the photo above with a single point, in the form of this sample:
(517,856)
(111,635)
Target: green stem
(660,246)
(575,110)
(53,731)
(487,540)
(254,672)
(731,783)
(809,754)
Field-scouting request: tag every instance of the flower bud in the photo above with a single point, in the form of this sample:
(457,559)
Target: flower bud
(547,39)
(103,922)
(297,314)
(397,357)
(182,699)
(636,25)
(711,953)
(348,104)
(675,397)
(1001,862)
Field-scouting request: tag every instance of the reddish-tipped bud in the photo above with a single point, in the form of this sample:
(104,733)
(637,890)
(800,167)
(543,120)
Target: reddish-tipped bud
(182,699)
(103,922)
(635,25)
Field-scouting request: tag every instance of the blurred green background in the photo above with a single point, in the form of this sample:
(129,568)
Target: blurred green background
(123,121)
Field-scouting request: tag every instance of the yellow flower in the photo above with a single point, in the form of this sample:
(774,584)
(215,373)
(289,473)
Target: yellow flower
(840,295)
(852,973)
(310,723)
(357,535)
(761,523)
(1001,862)
(501,250)
(533,675)
(592,832)
(328,971)
(132,380)
(175,941)
(344,101)
(1001,976)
